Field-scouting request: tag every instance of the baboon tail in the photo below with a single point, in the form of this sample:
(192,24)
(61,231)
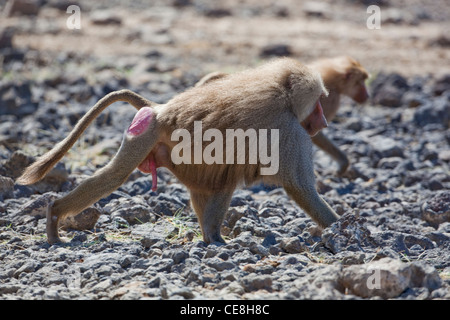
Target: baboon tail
(46,162)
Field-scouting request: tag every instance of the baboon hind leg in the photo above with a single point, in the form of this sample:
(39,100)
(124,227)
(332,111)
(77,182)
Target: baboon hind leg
(135,147)
(329,147)
(210,209)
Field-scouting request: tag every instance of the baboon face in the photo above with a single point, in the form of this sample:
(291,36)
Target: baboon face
(355,79)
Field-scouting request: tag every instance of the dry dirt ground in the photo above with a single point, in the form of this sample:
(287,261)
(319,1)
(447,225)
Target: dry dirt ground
(228,35)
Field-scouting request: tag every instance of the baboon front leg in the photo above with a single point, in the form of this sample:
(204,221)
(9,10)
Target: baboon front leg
(210,209)
(296,175)
(310,201)
(329,147)
(137,143)
(300,186)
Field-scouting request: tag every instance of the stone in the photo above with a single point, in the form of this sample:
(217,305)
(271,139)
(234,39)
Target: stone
(22,7)
(321,283)
(436,210)
(348,233)
(293,245)
(316,9)
(254,282)
(105,18)
(38,207)
(27,267)
(215,12)
(219,264)
(6,37)
(133,210)
(6,187)
(442,83)
(386,147)
(84,220)
(388,89)
(16,163)
(430,113)
(388,278)
(279,50)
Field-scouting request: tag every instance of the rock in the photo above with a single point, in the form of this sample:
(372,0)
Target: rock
(22,7)
(166,204)
(127,260)
(6,37)
(436,112)
(441,85)
(181,3)
(388,278)
(8,289)
(254,282)
(99,259)
(388,89)
(418,242)
(386,147)
(316,9)
(434,185)
(354,124)
(444,155)
(102,286)
(389,97)
(130,291)
(38,207)
(27,267)
(436,210)
(389,163)
(231,217)
(134,210)
(348,233)
(350,258)
(215,12)
(15,165)
(147,242)
(321,283)
(6,187)
(16,98)
(439,238)
(440,41)
(219,264)
(279,50)
(154,232)
(105,18)
(414,99)
(84,220)
(294,245)
(394,16)
(177,255)
(279,11)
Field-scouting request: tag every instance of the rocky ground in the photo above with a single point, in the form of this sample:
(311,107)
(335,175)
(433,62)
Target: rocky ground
(393,238)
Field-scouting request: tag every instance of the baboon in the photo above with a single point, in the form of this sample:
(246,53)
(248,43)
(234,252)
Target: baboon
(282,96)
(341,75)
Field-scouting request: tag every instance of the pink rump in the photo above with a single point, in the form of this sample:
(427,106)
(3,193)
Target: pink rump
(141,121)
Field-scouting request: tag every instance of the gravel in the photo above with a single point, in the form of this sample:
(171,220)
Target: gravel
(392,241)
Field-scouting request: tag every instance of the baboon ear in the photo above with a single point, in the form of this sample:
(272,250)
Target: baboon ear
(287,80)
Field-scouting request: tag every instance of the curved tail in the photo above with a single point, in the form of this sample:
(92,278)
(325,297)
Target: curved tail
(46,162)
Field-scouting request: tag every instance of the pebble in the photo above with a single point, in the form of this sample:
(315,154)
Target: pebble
(139,244)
